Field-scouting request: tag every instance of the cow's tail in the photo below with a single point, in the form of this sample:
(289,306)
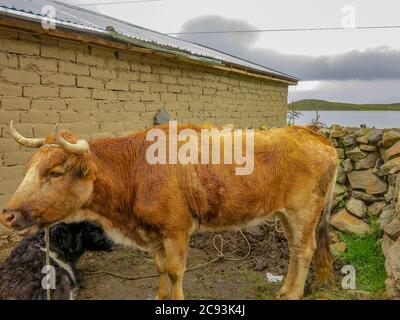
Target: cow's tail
(322,255)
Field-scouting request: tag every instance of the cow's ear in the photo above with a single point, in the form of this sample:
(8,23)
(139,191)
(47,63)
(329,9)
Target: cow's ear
(86,169)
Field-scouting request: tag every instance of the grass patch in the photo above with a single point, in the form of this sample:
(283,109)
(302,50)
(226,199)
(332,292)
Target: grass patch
(333,292)
(257,282)
(364,253)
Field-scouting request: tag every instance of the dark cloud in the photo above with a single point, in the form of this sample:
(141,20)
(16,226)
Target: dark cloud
(374,63)
(228,41)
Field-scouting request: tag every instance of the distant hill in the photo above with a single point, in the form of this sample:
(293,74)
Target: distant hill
(315,104)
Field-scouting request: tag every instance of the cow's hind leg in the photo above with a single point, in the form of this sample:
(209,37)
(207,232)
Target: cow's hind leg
(164,288)
(283,291)
(176,250)
(303,225)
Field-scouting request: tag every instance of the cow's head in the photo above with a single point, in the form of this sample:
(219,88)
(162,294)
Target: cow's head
(58,181)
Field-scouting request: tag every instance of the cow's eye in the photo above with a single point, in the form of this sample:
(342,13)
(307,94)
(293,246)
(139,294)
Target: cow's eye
(55,174)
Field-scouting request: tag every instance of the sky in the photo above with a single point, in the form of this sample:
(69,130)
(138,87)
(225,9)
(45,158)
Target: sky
(359,66)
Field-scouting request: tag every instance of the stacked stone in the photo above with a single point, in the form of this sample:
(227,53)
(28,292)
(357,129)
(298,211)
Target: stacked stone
(368,184)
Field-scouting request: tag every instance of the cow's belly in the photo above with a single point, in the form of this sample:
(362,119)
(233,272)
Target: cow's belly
(226,224)
(145,243)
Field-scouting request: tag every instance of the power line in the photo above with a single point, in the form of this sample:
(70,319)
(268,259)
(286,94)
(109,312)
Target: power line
(118,2)
(286,30)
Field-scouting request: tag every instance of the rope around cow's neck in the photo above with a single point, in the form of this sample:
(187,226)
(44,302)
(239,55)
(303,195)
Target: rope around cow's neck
(48,269)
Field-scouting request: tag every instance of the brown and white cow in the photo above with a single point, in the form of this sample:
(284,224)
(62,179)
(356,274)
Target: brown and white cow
(157,207)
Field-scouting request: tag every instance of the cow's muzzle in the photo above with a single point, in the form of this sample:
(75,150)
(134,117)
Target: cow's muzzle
(16,219)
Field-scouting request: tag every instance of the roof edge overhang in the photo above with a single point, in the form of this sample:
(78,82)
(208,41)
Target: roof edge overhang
(31,23)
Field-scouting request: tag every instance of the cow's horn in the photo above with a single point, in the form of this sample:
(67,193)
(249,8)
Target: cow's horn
(81,146)
(26,142)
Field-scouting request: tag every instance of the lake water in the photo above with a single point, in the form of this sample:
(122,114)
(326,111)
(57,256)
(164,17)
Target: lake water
(377,119)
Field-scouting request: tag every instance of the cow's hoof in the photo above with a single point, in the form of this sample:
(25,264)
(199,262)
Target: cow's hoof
(293,296)
(282,295)
(162,297)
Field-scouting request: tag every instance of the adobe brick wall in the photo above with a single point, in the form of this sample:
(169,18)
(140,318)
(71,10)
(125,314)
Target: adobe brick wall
(96,91)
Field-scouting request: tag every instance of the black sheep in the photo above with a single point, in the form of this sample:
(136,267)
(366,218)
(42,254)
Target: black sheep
(21,274)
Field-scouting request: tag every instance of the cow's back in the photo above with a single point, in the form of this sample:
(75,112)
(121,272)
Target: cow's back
(285,160)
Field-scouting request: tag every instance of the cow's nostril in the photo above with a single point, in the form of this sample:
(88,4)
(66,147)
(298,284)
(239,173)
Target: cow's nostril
(15,219)
(9,217)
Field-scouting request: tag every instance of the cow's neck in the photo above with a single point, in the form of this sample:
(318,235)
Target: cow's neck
(113,196)
(114,187)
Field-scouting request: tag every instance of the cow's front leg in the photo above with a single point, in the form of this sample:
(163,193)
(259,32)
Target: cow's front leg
(164,288)
(176,250)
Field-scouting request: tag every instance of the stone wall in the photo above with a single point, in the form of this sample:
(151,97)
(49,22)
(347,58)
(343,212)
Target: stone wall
(96,91)
(368,185)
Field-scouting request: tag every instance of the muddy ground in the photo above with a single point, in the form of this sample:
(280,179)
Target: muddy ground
(225,279)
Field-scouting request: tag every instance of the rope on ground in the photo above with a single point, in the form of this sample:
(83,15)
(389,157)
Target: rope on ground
(221,256)
(274,223)
(48,269)
(220,250)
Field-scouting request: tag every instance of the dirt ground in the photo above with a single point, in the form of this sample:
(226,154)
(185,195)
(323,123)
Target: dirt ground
(245,279)
(220,280)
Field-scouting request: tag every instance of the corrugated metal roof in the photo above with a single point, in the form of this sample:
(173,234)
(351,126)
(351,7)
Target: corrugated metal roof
(89,21)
